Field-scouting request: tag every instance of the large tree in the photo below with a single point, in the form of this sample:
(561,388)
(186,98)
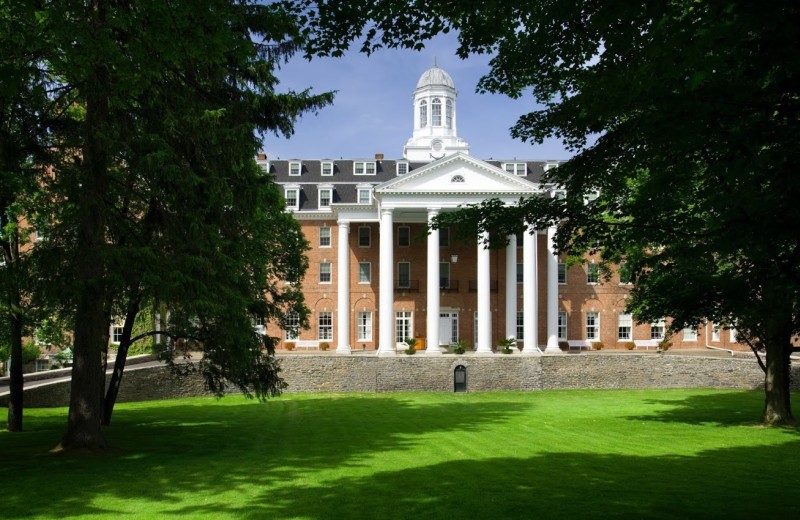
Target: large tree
(683,116)
(155,193)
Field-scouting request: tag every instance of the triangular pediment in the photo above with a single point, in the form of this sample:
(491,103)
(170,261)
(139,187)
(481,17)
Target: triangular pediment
(458,174)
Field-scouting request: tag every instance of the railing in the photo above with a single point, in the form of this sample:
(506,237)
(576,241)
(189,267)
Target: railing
(407,286)
(448,285)
(494,286)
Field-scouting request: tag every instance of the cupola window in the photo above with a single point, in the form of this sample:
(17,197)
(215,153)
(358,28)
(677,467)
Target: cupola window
(423,113)
(448,113)
(436,112)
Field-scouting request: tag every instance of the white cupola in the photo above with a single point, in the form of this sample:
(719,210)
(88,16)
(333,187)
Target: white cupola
(435,133)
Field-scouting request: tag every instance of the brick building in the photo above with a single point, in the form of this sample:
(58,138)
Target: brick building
(376,277)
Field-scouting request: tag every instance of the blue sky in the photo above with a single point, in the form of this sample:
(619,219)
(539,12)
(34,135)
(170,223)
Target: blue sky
(372,112)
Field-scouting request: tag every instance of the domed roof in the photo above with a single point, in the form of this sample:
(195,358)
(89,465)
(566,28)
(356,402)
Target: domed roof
(435,76)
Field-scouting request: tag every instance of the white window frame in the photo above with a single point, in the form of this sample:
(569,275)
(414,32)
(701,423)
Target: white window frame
(364,325)
(592,326)
(400,284)
(624,326)
(401,167)
(734,335)
(592,271)
(264,165)
(562,325)
(295,168)
(325,326)
(436,112)
(658,329)
(364,272)
(296,191)
(715,332)
(364,195)
(329,192)
(291,332)
(325,272)
(364,167)
(403,241)
(259,325)
(403,323)
(115,336)
(689,334)
(326,165)
(325,235)
(520,169)
(423,114)
(362,235)
(448,113)
(520,326)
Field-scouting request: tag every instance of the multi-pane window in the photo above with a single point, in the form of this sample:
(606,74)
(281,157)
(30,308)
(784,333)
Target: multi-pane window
(520,271)
(562,273)
(562,326)
(657,329)
(624,326)
(591,196)
(715,332)
(364,168)
(436,112)
(690,334)
(364,272)
(402,168)
(592,326)
(364,326)
(259,326)
(292,196)
(734,336)
(295,168)
(402,326)
(518,168)
(423,114)
(116,333)
(624,273)
(364,236)
(325,272)
(404,275)
(448,113)
(403,236)
(364,196)
(592,273)
(327,168)
(520,325)
(325,196)
(444,275)
(559,194)
(325,326)
(324,236)
(291,328)
(264,166)
(444,237)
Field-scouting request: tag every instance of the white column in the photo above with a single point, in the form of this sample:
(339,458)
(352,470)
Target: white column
(433,303)
(343,288)
(552,293)
(386,345)
(511,287)
(530,304)
(484,345)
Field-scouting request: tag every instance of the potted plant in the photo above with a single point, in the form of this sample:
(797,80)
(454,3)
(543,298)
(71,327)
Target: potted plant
(460,346)
(664,345)
(598,345)
(324,345)
(506,344)
(630,345)
(289,345)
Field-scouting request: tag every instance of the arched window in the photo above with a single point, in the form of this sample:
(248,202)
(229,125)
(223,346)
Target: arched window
(423,114)
(436,112)
(457,178)
(448,113)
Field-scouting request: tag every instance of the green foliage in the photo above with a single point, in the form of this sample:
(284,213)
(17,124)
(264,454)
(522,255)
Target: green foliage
(30,351)
(460,346)
(664,345)
(598,345)
(410,351)
(411,342)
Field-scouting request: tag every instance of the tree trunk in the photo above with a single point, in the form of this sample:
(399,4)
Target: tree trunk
(777,401)
(16,383)
(119,363)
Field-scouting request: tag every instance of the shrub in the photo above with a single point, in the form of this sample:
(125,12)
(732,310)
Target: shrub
(506,351)
(410,351)
(563,345)
(288,345)
(664,344)
(507,343)
(460,347)
(411,342)
(324,345)
(597,345)
(30,351)
(630,345)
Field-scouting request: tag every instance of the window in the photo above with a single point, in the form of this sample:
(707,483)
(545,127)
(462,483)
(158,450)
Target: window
(363,236)
(475,338)
(624,326)
(448,113)
(444,237)
(325,326)
(325,197)
(436,112)
(325,272)
(324,236)
(734,336)
(327,168)
(715,333)
(364,326)
(364,272)
(592,326)
(292,196)
(690,334)
(592,273)
(550,166)
(258,325)
(457,178)
(291,328)
(559,194)
(116,333)
(562,273)
(403,236)
(423,114)
(520,275)
(402,168)
(591,196)
(264,166)
(562,326)
(516,168)
(403,326)
(520,325)
(520,238)
(624,273)
(364,168)
(403,275)
(295,168)
(657,329)
(444,275)
(364,195)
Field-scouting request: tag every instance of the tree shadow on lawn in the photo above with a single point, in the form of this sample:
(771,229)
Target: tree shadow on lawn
(721,408)
(713,484)
(171,450)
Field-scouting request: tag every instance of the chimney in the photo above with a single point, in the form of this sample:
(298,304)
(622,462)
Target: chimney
(378,156)
(262,157)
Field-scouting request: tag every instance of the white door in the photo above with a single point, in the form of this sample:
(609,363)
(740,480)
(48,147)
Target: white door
(448,328)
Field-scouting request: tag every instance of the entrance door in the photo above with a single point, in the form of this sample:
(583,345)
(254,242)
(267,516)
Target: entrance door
(448,328)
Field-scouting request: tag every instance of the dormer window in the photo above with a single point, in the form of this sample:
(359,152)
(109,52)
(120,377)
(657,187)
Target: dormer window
(292,196)
(264,165)
(423,113)
(325,197)
(550,166)
(436,112)
(294,168)
(364,168)
(327,168)
(559,194)
(364,195)
(516,168)
(402,167)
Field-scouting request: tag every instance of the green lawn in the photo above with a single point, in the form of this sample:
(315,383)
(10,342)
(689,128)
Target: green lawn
(556,454)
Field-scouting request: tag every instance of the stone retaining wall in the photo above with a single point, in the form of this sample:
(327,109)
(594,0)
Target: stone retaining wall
(330,373)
